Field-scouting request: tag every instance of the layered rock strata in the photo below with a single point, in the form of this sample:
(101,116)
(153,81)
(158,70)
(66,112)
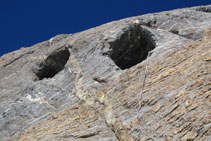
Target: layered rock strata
(85,86)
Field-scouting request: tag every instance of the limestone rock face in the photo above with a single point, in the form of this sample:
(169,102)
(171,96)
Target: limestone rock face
(85,86)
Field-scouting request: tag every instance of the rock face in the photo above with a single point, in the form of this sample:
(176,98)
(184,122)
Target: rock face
(85,86)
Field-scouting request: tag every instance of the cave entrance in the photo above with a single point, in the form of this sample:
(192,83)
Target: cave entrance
(54,63)
(132,47)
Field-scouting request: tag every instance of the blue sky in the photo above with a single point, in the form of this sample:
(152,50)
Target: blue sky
(27,22)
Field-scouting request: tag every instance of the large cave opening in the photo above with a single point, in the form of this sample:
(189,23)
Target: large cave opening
(131,47)
(54,63)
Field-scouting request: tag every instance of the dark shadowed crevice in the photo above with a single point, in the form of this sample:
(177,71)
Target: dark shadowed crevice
(132,47)
(89,135)
(204,9)
(54,63)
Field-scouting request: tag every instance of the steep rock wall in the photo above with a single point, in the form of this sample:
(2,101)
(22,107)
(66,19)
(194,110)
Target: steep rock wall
(85,86)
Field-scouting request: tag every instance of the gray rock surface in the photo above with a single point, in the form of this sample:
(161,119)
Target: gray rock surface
(69,71)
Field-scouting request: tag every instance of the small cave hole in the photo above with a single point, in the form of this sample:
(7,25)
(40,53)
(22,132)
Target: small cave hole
(132,47)
(54,63)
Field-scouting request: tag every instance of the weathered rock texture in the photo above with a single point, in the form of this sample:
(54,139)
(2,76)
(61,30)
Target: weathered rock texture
(85,86)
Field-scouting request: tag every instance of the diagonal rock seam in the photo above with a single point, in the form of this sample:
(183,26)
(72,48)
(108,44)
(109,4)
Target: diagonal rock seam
(111,122)
(86,97)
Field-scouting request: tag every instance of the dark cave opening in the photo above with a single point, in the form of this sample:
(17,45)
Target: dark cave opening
(132,47)
(54,63)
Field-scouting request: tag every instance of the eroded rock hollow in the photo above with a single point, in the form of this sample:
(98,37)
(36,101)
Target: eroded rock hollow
(132,47)
(52,65)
